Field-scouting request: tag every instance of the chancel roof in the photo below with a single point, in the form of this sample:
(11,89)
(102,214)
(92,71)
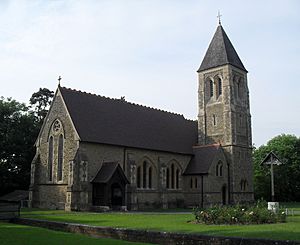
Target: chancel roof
(202,159)
(220,52)
(99,119)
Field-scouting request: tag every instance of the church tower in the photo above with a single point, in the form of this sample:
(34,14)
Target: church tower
(224,112)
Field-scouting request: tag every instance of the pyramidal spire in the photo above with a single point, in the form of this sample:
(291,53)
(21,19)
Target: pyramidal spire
(220,52)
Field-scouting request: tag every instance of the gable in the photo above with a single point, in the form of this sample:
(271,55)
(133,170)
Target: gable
(204,157)
(58,111)
(99,119)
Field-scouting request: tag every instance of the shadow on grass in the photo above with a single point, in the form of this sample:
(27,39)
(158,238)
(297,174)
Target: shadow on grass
(23,235)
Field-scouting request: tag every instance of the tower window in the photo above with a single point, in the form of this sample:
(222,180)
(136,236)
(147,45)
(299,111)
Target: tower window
(211,88)
(219,86)
(214,120)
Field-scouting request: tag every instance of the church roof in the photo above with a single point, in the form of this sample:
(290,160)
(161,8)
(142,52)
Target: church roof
(99,119)
(106,172)
(220,52)
(202,159)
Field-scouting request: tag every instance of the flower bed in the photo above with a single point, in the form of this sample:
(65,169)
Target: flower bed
(239,214)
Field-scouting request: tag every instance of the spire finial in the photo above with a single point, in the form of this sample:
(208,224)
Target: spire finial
(219,17)
(59,78)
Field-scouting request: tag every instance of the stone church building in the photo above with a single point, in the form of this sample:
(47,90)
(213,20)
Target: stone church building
(95,152)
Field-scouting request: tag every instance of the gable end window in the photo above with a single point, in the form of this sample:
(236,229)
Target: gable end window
(50,158)
(60,157)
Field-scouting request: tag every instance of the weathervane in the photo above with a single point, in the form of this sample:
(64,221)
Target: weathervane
(219,17)
(59,78)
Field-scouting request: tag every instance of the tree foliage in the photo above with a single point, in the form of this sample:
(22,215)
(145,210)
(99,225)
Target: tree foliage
(287,176)
(19,127)
(40,102)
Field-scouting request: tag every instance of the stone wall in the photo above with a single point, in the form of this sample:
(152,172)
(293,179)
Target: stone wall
(154,237)
(48,193)
(130,159)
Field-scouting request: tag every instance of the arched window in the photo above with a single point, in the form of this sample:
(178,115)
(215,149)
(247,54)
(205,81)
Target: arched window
(172,176)
(144,174)
(243,184)
(219,169)
(150,178)
(139,177)
(168,178)
(191,184)
(214,120)
(211,88)
(177,178)
(219,86)
(60,157)
(50,158)
(196,183)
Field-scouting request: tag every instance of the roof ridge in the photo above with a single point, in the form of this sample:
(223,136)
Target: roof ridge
(223,40)
(124,101)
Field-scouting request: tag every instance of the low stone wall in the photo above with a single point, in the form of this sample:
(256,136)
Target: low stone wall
(148,236)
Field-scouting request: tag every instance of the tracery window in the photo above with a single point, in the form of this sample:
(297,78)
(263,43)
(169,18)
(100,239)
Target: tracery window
(145,175)
(50,159)
(139,177)
(150,177)
(168,178)
(173,177)
(60,157)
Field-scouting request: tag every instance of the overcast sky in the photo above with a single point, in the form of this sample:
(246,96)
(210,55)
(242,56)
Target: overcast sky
(149,51)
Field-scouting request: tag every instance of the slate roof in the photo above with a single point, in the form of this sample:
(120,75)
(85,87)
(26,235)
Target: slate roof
(106,171)
(220,52)
(117,122)
(202,159)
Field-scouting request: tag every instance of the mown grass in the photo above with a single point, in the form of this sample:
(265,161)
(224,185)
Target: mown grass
(26,235)
(174,223)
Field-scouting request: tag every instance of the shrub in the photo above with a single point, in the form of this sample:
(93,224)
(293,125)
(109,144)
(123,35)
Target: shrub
(239,214)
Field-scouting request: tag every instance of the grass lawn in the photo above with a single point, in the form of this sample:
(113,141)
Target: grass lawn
(173,222)
(23,235)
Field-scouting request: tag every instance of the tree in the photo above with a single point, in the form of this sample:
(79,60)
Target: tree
(287,176)
(40,102)
(18,131)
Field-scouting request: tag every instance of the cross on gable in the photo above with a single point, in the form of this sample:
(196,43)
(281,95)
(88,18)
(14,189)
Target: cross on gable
(219,17)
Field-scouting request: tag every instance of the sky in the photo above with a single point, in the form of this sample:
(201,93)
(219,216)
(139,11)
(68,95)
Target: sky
(149,52)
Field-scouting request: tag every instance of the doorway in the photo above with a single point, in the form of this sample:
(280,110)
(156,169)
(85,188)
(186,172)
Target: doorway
(116,195)
(224,191)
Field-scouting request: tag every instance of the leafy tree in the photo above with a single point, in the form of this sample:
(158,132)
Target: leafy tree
(18,131)
(287,176)
(40,102)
